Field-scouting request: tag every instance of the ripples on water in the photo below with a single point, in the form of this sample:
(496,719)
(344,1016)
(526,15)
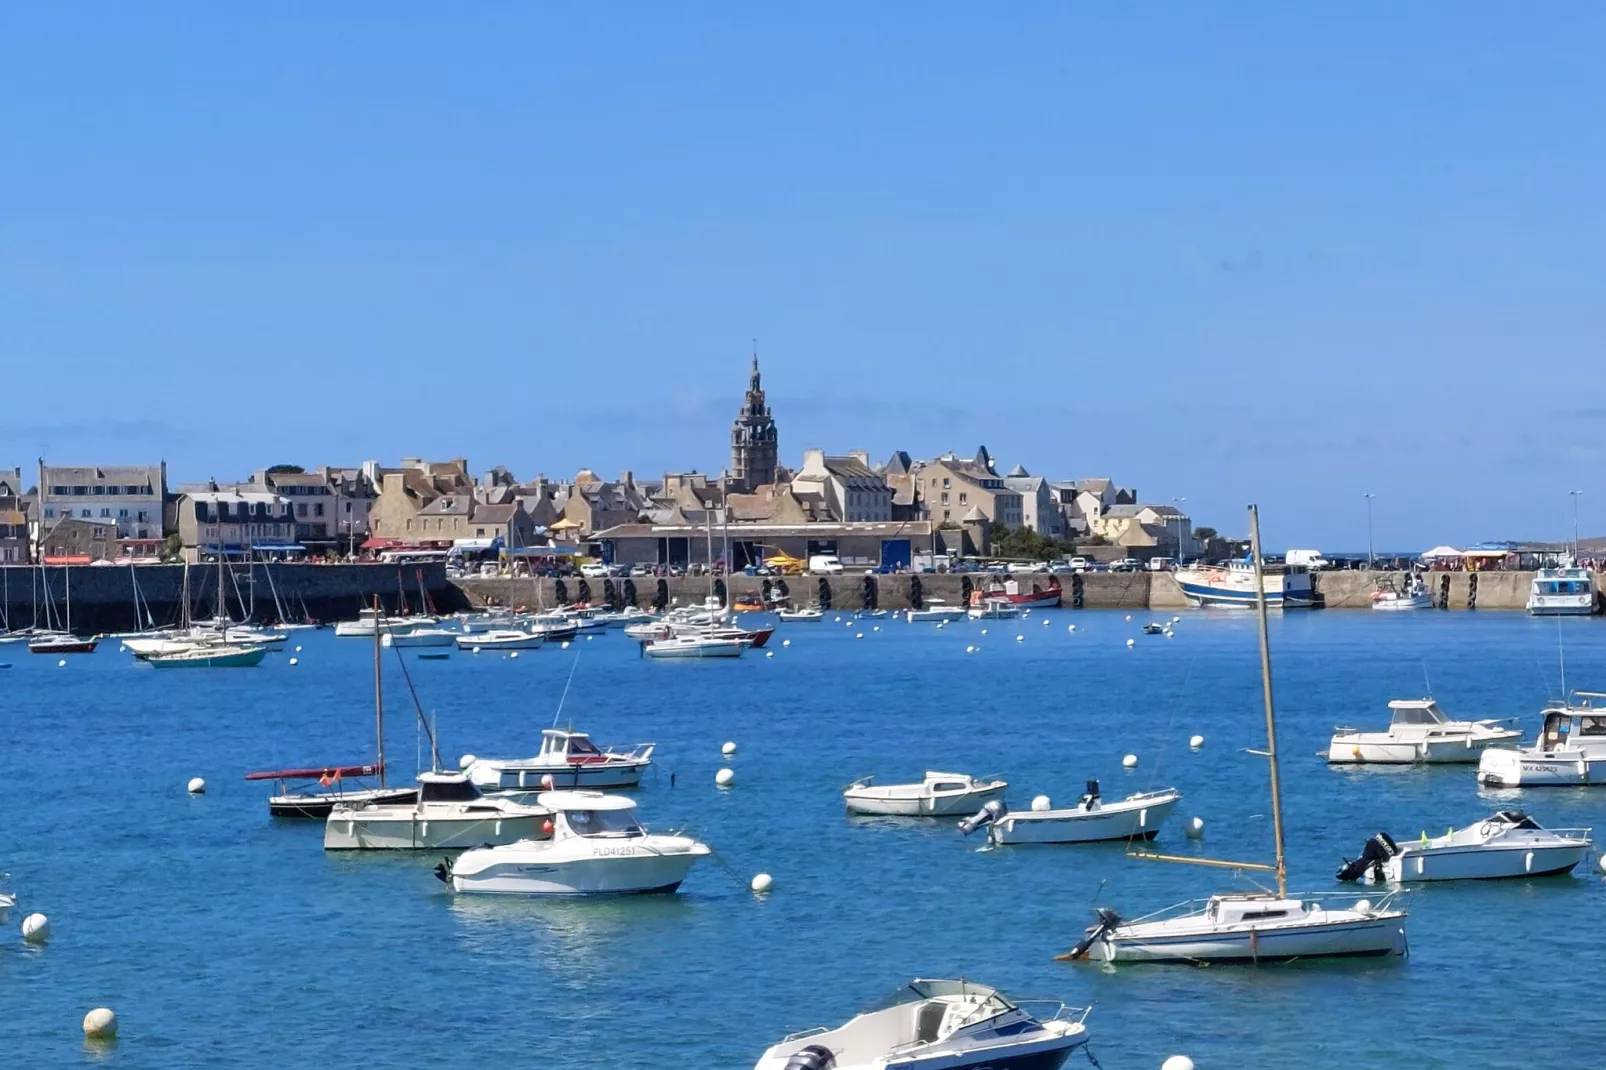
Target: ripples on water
(222,938)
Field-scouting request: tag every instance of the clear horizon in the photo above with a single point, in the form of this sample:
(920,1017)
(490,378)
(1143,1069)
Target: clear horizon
(1290,257)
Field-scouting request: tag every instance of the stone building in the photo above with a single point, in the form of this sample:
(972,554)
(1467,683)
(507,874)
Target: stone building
(1040,509)
(406,490)
(244,520)
(951,487)
(76,541)
(755,447)
(849,488)
(128,498)
(14,506)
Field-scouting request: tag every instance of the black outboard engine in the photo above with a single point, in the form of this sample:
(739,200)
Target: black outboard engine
(443,871)
(813,1057)
(1378,850)
(989,813)
(1108,919)
(1090,797)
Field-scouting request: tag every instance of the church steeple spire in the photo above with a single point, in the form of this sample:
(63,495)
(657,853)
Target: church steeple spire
(754,445)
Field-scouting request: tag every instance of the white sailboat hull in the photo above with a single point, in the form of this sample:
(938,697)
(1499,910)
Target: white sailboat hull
(491,775)
(1121,820)
(884,802)
(354,830)
(1346,936)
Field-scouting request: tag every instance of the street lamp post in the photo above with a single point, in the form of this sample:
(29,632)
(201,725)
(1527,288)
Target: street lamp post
(1575,494)
(1371,558)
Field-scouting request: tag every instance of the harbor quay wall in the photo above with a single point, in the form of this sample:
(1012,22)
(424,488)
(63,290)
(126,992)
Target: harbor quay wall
(103,596)
(1099,590)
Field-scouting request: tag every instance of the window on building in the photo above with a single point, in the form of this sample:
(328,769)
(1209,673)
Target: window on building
(105,512)
(946,514)
(49,511)
(122,514)
(348,508)
(301,508)
(142,517)
(945,497)
(317,510)
(962,497)
(944,482)
(99,489)
(84,513)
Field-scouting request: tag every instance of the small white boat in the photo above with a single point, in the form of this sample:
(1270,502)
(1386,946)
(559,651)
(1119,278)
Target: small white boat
(649,629)
(1571,749)
(8,898)
(500,640)
(1254,927)
(449,812)
(938,795)
(597,848)
(1568,592)
(694,646)
(805,615)
(208,656)
(1508,844)
(1092,819)
(567,760)
(368,620)
(1393,597)
(1418,731)
(937,1025)
(992,608)
(871,614)
(936,610)
(419,637)
(488,621)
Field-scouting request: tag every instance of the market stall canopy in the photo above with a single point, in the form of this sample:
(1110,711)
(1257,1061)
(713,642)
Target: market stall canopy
(1439,552)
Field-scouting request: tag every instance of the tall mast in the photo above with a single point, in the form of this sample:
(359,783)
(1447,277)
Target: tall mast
(222,612)
(1265,687)
(379,697)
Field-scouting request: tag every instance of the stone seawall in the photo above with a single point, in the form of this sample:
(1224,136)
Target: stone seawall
(1103,590)
(103,597)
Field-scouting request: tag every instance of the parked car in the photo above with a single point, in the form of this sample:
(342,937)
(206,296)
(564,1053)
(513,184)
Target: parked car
(1079,564)
(1126,564)
(1162,564)
(1060,568)
(593,570)
(640,570)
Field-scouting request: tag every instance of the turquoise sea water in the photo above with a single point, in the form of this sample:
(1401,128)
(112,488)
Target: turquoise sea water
(222,937)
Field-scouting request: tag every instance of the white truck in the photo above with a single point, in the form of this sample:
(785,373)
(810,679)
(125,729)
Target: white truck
(1311,559)
(825,564)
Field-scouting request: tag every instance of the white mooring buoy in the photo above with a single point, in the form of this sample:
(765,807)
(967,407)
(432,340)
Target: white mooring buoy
(196,786)
(1131,642)
(100,1024)
(770,653)
(1195,742)
(786,642)
(1195,828)
(970,649)
(513,653)
(62,664)
(1177,1062)
(36,928)
(728,749)
(465,761)
(762,883)
(1041,803)
(295,661)
(725,777)
(1020,639)
(1129,762)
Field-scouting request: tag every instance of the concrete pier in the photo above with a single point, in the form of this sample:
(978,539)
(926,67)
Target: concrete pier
(103,596)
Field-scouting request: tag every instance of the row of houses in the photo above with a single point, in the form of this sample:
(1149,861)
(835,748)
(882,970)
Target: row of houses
(866,513)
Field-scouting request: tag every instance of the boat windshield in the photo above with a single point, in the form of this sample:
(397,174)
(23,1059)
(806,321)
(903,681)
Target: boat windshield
(1418,715)
(919,991)
(448,791)
(582,745)
(612,823)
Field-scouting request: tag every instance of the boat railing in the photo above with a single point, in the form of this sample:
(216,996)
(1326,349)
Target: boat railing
(1196,906)
(805,1033)
(1158,793)
(1062,1011)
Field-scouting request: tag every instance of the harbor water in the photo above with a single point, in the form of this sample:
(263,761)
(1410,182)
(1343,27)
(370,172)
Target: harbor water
(223,937)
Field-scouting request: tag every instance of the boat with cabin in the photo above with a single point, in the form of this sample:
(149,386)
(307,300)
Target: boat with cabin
(597,847)
(1418,731)
(938,1025)
(1138,816)
(1571,749)
(1568,591)
(335,784)
(991,607)
(449,812)
(802,615)
(1233,584)
(1248,927)
(935,610)
(370,620)
(419,637)
(500,640)
(209,656)
(1506,845)
(1395,595)
(936,795)
(1036,598)
(683,645)
(567,759)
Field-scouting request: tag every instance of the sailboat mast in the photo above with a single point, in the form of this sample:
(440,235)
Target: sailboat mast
(1265,687)
(379,697)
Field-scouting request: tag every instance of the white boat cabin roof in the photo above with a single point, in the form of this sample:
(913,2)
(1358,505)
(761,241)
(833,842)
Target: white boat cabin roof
(1417,711)
(583,800)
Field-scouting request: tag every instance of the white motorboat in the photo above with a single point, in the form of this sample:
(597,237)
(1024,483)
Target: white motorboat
(994,607)
(1571,749)
(368,621)
(419,637)
(805,615)
(1135,817)
(1568,591)
(1419,731)
(871,614)
(8,899)
(489,621)
(694,646)
(552,627)
(449,812)
(596,848)
(1256,926)
(938,1025)
(1233,584)
(709,611)
(567,760)
(935,610)
(1508,844)
(938,795)
(649,629)
(1391,596)
(499,640)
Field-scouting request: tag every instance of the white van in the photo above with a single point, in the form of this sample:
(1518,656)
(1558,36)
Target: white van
(1162,564)
(825,564)
(1311,559)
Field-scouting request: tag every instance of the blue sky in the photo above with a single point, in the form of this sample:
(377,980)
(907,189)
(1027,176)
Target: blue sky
(1280,255)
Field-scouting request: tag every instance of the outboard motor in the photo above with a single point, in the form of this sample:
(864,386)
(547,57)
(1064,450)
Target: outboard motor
(1090,797)
(1378,850)
(813,1057)
(989,813)
(1108,919)
(443,871)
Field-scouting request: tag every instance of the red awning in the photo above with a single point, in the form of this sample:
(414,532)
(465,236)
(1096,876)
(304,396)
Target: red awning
(316,774)
(377,542)
(69,559)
